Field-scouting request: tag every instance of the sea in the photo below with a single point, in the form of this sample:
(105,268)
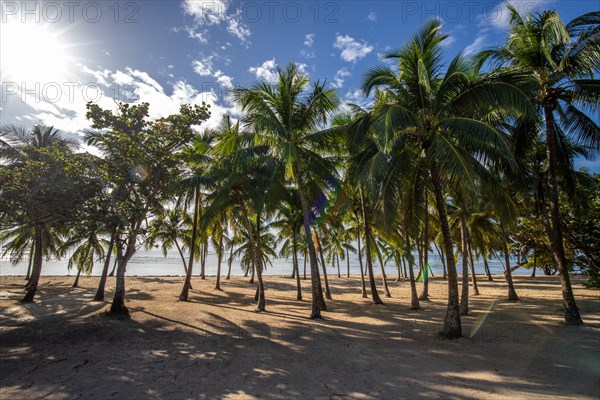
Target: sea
(153,263)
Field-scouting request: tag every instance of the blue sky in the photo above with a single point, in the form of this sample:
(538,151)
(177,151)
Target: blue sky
(57,55)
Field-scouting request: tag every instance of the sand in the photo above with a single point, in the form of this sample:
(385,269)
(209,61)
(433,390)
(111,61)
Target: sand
(215,346)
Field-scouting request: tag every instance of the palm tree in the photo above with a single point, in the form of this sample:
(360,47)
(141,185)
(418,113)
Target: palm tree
(290,223)
(197,156)
(88,246)
(244,178)
(289,118)
(561,60)
(17,147)
(450,118)
(169,229)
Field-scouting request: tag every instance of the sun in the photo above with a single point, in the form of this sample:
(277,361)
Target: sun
(32,53)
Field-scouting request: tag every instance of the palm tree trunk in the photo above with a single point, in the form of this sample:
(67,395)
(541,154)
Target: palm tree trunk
(182,256)
(258,260)
(203,254)
(472,264)
(295,260)
(28,276)
(327,291)
(487,267)
(251,281)
(184,295)
(99,296)
(347,263)
(304,260)
(404,267)
(420,253)
(293,275)
(512,294)
(464,298)
(219,259)
(114,268)
(452,327)
(442,260)
(425,292)
(318,302)
(414,298)
(360,263)
(76,283)
(554,228)
(398,266)
(337,261)
(37,265)
(368,239)
(386,290)
(182,260)
(229,261)
(534,264)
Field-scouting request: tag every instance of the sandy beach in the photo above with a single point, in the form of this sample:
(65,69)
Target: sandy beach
(216,346)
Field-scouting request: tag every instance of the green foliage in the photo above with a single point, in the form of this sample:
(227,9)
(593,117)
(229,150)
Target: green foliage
(43,186)
(141,158)
(582,227)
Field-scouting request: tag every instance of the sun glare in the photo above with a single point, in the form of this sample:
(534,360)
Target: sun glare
(32,53)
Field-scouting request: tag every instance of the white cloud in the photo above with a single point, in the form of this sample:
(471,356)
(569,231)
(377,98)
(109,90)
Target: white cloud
(309,39)
(203,67)
(213,13)
(340,75)
(449,41)
(225,80)
(351,49)
(307,52)
(67,110)
(358,97)
(267,71)
(478,44)
(372,16)
(206,12)
(238,30)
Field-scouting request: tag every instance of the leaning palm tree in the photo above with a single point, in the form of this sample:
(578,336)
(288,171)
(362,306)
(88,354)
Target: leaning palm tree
(288,116)
(87,246)
(169,229)
(449,117)
(561,61)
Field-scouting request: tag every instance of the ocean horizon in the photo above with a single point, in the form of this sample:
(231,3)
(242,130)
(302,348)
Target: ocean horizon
(153,263)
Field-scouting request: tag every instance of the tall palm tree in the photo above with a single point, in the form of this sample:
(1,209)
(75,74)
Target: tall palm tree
(450,117)
(197,155)
(561,60)
(246,178)
(288,117)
